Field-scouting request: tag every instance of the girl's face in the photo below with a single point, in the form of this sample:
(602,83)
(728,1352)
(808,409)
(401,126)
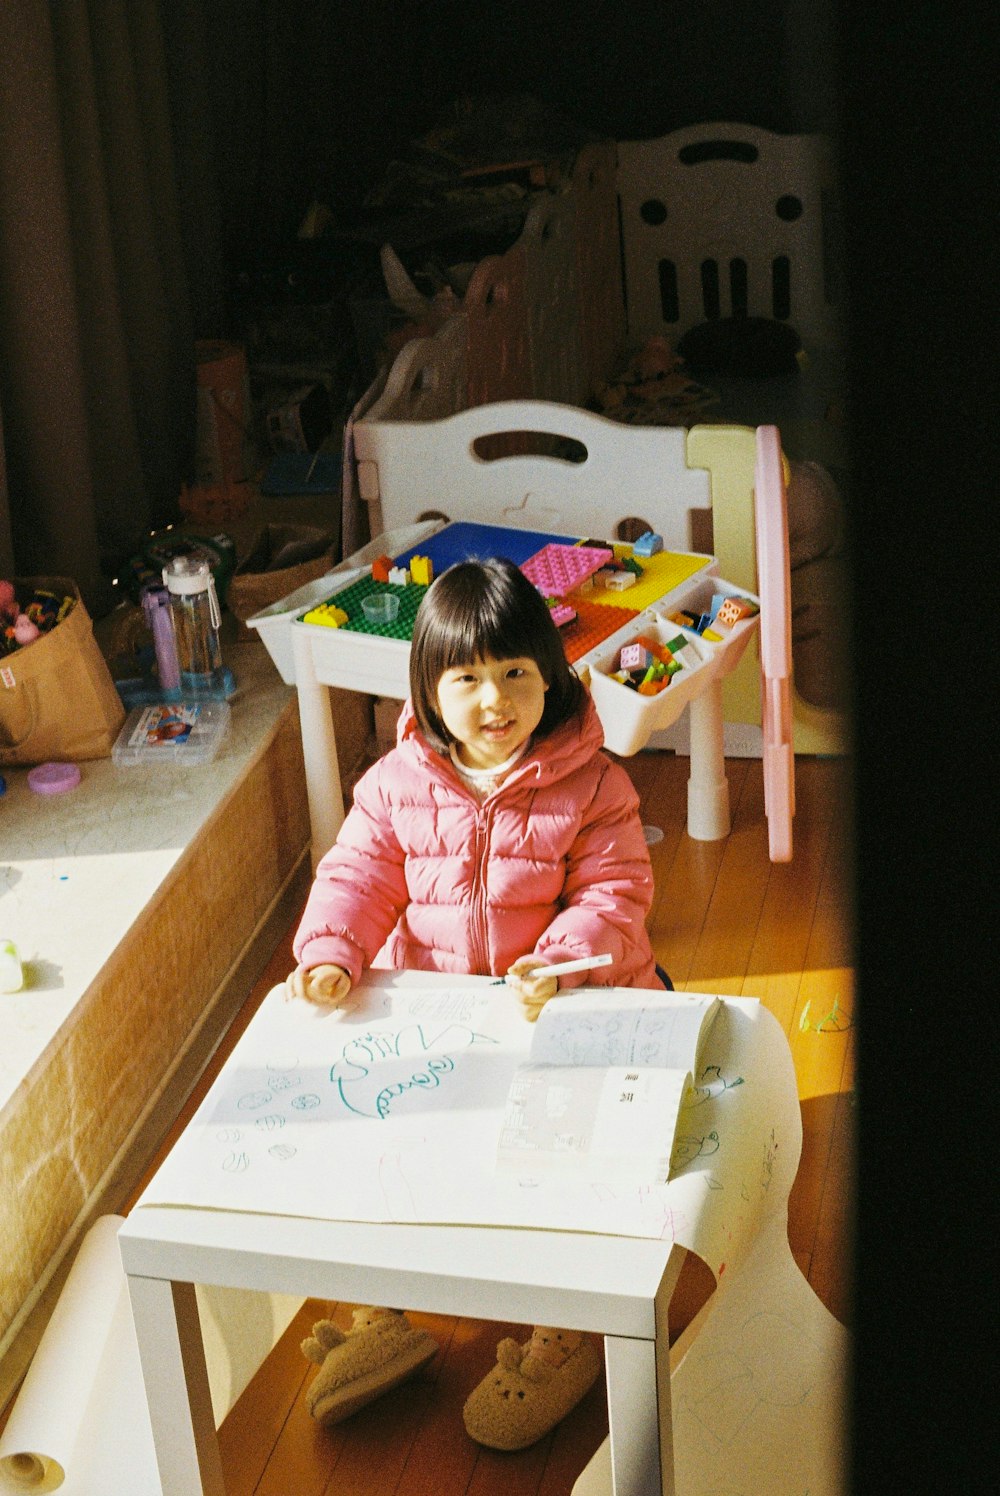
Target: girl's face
(491,707)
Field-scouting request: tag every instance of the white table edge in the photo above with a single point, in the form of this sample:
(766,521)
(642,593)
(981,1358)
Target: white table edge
(605,1284)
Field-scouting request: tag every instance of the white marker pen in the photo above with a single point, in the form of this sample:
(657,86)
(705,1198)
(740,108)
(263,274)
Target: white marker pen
(563,968)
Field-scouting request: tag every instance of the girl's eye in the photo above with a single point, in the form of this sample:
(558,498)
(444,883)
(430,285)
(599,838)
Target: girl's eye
(515,672)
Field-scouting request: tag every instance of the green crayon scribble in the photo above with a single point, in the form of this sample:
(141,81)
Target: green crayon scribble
(834,1022)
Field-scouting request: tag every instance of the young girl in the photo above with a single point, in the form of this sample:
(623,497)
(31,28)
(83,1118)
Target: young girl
(495,839)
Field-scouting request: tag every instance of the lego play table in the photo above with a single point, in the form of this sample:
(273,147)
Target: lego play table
(366,657)
(748,1398)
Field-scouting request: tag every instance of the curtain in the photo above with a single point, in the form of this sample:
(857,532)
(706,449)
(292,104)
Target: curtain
(110,269)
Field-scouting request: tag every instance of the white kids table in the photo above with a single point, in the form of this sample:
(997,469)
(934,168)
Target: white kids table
(315,656)
(749,1393)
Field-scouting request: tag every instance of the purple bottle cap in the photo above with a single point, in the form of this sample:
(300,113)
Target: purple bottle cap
(53,779)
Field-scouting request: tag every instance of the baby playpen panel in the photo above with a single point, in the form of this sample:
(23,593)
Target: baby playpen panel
(726,220)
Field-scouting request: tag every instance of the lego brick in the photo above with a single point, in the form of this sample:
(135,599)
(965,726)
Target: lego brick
(732,610)
(326,614)
(634,655)
(648,543)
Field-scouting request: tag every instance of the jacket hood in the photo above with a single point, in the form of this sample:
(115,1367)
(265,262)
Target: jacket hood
(547,759)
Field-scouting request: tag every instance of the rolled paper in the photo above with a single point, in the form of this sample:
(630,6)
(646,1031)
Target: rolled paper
(42,1433)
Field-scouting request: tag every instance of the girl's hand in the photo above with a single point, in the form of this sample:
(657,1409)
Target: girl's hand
(326,985)
(527,978)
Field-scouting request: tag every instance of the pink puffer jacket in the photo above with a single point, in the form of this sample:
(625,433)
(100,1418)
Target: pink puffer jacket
(423,877)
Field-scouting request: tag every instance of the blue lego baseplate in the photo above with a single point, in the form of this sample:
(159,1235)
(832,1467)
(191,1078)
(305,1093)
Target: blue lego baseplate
(464,540)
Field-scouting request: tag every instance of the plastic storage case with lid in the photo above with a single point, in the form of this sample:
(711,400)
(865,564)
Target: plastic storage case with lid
(177,732)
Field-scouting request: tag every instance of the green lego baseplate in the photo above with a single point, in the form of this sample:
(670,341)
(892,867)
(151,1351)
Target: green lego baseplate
(350,600)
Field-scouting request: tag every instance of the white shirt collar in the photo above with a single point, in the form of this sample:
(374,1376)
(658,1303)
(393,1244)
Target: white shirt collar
(486,780)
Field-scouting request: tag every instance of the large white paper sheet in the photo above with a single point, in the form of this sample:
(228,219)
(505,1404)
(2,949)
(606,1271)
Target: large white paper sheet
(759,1398)
(80,1423)
(391,1111)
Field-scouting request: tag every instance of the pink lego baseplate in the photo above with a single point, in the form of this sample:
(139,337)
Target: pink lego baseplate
(557,569)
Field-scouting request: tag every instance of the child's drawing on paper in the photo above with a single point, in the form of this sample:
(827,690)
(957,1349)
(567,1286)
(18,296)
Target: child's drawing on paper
(756,1375)
(711,1083)
(377,1071)
(691,1146)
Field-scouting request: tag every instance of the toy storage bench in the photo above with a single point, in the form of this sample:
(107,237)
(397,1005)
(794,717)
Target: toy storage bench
(553,318)
(524,502)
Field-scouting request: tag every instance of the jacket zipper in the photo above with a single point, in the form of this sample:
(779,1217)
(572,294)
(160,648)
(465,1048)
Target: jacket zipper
(479,928)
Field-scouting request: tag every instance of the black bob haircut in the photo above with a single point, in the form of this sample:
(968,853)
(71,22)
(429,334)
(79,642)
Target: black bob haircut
(487,609)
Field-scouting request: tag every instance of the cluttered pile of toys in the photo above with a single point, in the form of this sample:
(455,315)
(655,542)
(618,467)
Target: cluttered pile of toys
(555,570)
(24,620)
(648,667)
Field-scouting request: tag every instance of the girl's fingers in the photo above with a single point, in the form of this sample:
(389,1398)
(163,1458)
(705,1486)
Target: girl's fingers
(532,1004)
(326,985)
(293,984)
(529,980)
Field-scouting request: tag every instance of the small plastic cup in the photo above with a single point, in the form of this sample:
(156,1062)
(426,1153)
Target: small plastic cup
(381,607)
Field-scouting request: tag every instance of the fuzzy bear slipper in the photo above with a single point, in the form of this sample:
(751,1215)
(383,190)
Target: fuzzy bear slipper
(380,1350)
(531,1388)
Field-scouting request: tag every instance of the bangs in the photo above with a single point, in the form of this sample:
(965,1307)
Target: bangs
(481,628)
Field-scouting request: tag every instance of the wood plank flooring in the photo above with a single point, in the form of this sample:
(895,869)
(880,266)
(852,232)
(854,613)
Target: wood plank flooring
(725,920)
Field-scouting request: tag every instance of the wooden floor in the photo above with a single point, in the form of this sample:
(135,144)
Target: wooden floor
(726,921)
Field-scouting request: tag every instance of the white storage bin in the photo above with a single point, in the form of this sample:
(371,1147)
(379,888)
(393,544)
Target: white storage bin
(274,623)
(697,598)
(629,718)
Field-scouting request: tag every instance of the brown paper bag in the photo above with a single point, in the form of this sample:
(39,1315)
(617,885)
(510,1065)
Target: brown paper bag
(57,698)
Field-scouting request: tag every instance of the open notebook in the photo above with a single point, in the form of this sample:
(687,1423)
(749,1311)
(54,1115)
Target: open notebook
(603,1086)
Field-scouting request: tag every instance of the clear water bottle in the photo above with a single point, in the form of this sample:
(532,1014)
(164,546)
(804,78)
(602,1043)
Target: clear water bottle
(194,608)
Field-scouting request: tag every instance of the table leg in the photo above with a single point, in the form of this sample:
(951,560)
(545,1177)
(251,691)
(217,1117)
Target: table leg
(708,787)
(168,1334)
(319,749)
(638,1419)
